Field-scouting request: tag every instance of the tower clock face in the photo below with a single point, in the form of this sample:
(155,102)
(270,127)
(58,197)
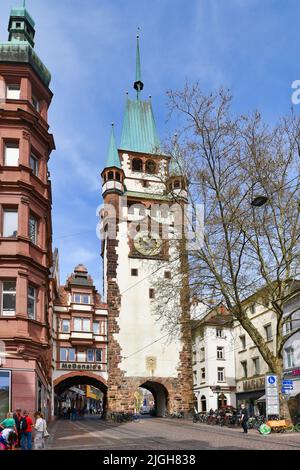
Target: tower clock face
(148,245)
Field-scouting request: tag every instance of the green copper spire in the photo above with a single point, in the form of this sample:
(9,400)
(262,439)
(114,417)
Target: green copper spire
(138,84)
(113,159)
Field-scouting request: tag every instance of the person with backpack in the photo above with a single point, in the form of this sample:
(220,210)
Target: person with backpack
(26,424)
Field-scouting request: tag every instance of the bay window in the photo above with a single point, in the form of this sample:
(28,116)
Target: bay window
(82,324)
(65,326)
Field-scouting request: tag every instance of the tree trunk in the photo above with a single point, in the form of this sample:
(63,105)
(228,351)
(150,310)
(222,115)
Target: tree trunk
(283,402)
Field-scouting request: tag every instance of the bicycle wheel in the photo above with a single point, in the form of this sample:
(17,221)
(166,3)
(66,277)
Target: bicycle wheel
(297,427)
(289,428)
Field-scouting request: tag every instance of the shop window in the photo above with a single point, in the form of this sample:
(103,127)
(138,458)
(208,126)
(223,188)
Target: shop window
(137,164)
(8,298)
(5,393)
(203,404)
(10,223)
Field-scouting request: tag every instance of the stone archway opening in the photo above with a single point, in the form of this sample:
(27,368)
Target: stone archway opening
(84,392)
(160,397)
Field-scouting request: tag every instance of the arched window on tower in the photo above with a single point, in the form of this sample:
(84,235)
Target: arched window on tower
(118,176)
(137,164)
(203,403)
(150,167)
(110,175)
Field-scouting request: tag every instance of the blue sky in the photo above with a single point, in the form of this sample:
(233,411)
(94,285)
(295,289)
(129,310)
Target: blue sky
(249,46)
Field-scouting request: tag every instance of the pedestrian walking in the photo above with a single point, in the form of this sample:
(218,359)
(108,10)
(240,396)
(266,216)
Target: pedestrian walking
(40,431)
(244,418)
(73,414)
(26,424)
(17,417)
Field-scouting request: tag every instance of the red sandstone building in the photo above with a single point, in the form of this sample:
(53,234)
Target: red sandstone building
(25,221)
(80,338)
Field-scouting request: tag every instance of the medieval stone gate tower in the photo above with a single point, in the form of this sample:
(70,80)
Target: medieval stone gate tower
(136,178)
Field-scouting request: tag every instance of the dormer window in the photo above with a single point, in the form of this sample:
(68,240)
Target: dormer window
(82,299)
(137,164)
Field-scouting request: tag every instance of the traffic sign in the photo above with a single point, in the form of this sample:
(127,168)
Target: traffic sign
(272,396)
(287,382)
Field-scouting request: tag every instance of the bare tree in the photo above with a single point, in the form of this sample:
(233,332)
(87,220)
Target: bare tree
(228,161)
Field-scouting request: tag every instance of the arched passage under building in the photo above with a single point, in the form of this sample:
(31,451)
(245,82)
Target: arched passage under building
(76,379)
(160,395)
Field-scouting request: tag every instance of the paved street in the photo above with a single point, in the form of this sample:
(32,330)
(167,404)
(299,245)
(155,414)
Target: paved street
(160,434)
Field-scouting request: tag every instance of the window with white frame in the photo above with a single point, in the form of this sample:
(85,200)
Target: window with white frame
(67,355)
(79,298)
(65,326)
(220,353)
(8,298)
(90,355)
(195,376)
(35,103)
(288,326)
(202,354)
(290,360)
(33,229)
(99,355)
(219,333)
(81,356)
(34,164)
(221,374)
(268,332)
(13,92)
(194,357)
(256,365)
(11,155)
(243,341)
(203,374)
(244,369)
(103,327)
(31,302)
(82,324)
(10,223)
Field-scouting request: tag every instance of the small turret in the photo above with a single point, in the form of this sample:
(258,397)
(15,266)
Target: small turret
(113,175)
(21,26)
(176,183)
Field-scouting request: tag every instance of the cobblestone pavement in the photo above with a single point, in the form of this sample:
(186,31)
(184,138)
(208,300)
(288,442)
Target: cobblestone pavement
(160,434)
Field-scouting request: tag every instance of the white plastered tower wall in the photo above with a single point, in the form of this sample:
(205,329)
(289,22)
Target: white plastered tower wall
(140,333)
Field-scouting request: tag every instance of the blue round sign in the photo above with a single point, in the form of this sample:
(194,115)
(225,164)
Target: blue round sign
(271,379)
